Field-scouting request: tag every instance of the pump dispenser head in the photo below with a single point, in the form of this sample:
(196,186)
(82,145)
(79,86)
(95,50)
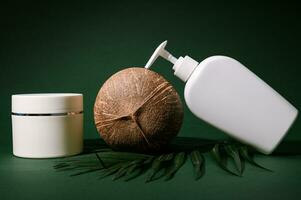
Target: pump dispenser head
(160,51)
(183,67)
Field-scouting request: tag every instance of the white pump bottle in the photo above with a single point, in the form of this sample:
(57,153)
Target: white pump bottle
(227,95)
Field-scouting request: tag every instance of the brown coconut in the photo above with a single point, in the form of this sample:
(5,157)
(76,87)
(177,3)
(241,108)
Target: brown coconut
(138,110)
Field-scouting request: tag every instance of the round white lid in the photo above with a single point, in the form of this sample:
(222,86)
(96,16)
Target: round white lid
(45,103)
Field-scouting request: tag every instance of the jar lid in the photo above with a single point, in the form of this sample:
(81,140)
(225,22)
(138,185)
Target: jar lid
(47,103)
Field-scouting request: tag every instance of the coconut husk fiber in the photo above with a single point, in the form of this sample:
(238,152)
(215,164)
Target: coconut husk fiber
(136,109)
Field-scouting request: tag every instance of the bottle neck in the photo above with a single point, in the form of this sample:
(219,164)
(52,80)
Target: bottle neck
(184,67)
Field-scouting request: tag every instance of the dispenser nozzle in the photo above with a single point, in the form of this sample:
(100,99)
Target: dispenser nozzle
(160,51)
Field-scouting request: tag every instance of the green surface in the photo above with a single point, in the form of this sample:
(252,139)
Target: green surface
(75,46)
(36,179)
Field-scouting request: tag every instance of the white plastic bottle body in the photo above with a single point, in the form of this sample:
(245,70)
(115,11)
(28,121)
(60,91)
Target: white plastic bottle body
(227,95)
(224,93)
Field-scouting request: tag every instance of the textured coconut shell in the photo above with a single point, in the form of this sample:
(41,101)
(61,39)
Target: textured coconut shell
(138,110)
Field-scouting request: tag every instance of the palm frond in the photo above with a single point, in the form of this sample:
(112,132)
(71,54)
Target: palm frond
(127,165)
(198,162)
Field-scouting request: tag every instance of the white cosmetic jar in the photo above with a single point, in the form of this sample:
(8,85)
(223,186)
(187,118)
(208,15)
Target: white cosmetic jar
(47,125)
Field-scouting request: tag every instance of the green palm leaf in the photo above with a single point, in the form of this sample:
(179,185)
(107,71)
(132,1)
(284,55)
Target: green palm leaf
(221,159)
(121,155)
(111,170)
(137,169)
(85,172)
(233,152)
(178,162)
(133,172)
(157,165)
(243,150)
(198,162)
(123,170)
(130,165)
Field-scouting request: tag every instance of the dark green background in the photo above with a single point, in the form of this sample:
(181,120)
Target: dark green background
(75,46)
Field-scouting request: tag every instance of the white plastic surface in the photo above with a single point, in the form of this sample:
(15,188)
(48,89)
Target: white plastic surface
(47,103)
(47,136)
(160,51)
(224,93)
(184,67)
(47,125)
